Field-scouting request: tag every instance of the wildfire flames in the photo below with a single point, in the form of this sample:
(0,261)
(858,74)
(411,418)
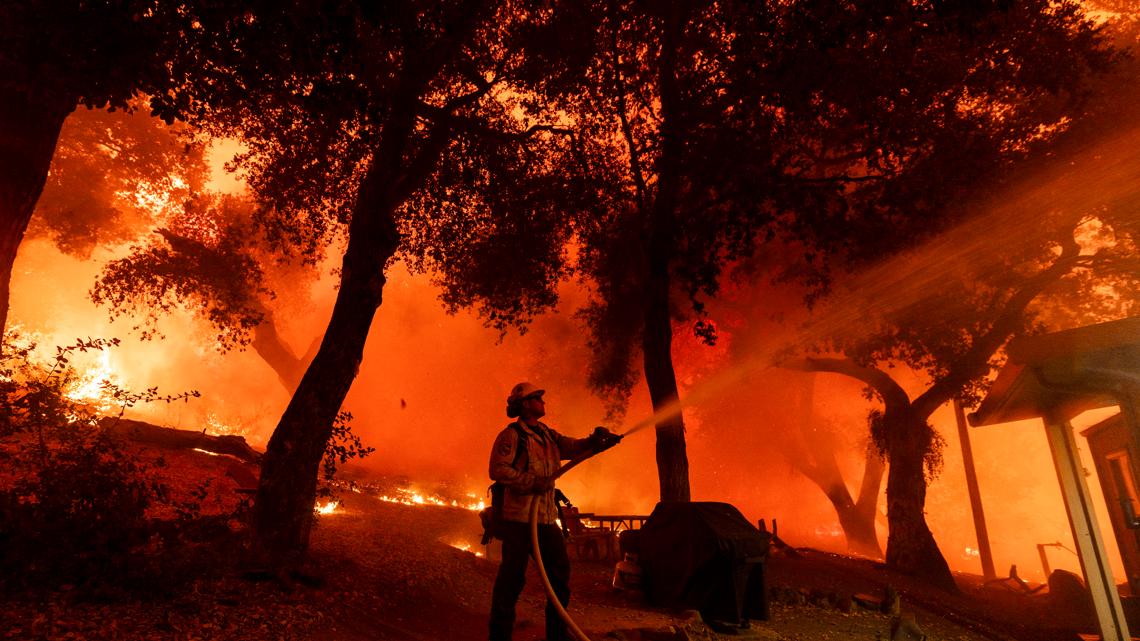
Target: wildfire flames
(90,387)
(101,373)
(1041,516)
(466,547)
(411,496)
(216,426)
(90,384)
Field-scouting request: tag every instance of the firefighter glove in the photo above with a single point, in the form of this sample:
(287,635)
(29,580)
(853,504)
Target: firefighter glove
(602,439)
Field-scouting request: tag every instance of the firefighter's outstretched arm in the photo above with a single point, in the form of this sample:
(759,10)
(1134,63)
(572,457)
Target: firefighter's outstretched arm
(600,440)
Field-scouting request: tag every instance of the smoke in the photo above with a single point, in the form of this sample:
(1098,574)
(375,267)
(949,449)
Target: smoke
(50,302)
(430,394)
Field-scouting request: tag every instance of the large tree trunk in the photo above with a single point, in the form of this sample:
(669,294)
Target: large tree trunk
(860,531)
(863,539)
(672,458)
(286,492)
(269,346)
(28,135)
(858,526)
(143,432)
(657,340)
(910,545)
(813,453)
(283,512)
(856,517)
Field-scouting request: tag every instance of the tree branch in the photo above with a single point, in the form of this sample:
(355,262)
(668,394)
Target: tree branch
(839,179)
(623,117)
(872,480)
(893,395)
(799,459)
(975,362)
(475,127)
(462,101)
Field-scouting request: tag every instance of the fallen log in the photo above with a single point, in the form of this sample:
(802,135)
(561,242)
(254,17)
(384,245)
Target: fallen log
(143,432)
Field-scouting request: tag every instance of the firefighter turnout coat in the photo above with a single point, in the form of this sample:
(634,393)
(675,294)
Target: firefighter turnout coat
(545,450)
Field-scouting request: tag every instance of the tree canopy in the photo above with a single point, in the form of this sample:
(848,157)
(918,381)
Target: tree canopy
(211,260)
(350,111)
(113,174)
(700,130)
(1022,232)
(53,58)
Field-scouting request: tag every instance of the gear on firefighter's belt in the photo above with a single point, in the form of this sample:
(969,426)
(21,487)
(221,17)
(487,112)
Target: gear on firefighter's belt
(563,503)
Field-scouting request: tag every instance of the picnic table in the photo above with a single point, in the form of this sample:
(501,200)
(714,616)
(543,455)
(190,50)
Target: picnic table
(615,522)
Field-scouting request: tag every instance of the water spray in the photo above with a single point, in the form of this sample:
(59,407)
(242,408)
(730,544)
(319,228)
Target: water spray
(706,389)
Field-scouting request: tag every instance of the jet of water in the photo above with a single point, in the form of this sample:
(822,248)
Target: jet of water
(1104,174)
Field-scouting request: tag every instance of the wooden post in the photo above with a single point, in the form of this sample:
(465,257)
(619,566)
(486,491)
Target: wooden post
(1044,560)
(984,551)
(1086,532)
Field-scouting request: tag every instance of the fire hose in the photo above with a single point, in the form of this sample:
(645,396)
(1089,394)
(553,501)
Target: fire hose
(578,633)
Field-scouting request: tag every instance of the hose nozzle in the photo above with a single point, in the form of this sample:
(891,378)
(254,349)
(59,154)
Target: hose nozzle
(603,439)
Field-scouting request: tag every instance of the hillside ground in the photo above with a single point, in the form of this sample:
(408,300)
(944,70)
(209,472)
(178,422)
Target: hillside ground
(386,570)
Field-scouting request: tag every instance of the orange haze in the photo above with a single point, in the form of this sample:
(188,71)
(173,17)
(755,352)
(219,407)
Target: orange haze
(430,398)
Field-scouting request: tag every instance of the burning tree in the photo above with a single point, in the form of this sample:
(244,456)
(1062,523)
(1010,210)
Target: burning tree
(790,415)
(54,58)
(116,174)
(703,129)
(812,451)
(952,330)
(349,115)
(113,174)
(211,260)
(1050,249)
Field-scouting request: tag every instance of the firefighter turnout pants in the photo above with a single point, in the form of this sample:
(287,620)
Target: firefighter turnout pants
(512,577)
